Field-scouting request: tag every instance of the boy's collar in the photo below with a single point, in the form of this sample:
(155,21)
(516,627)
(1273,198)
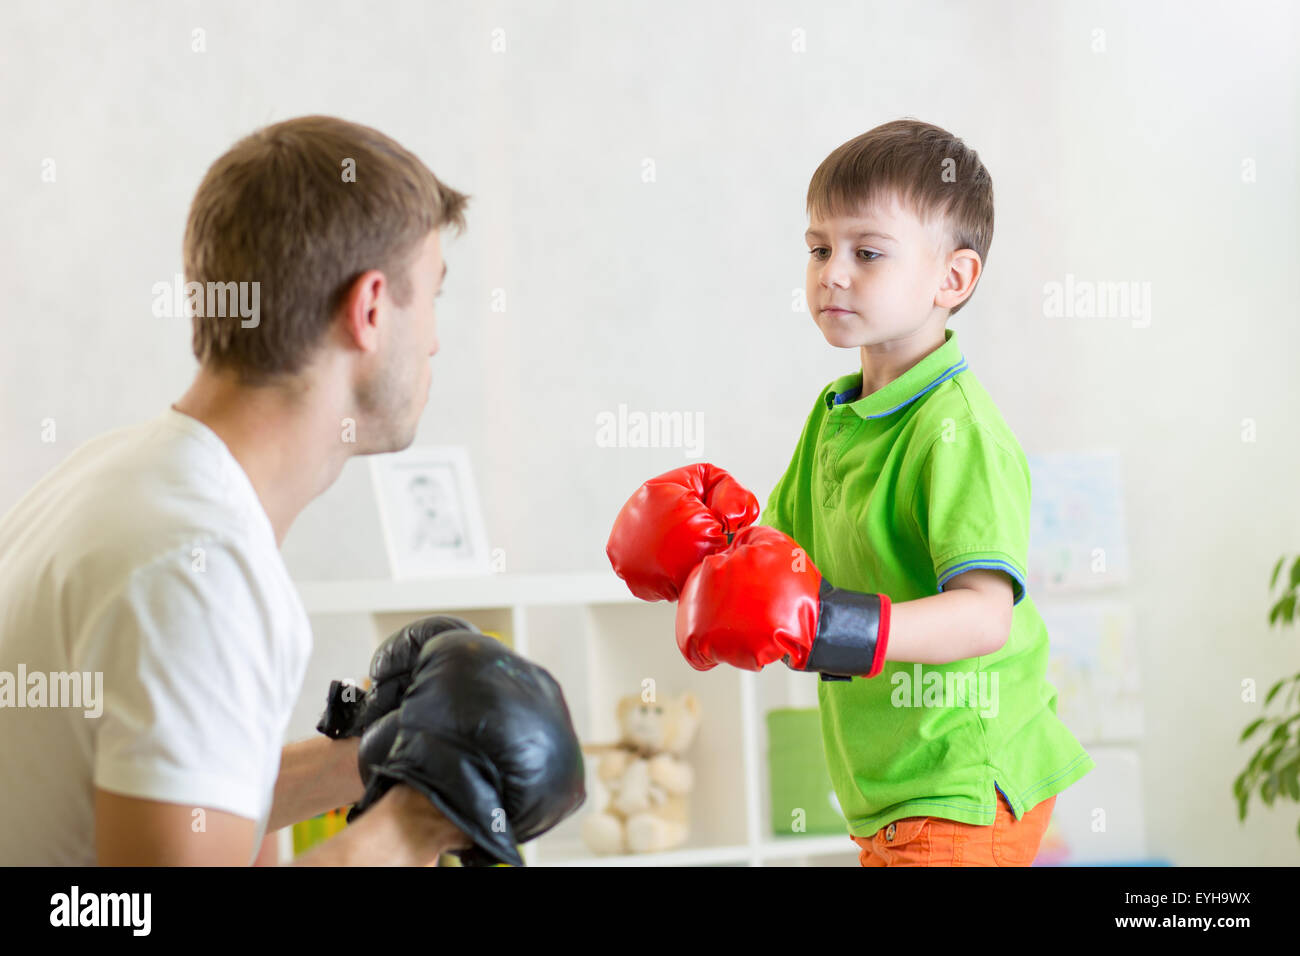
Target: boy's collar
(933,370)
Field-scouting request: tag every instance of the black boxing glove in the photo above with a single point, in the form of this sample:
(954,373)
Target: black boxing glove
(376,741)
(486,735)
(349,710)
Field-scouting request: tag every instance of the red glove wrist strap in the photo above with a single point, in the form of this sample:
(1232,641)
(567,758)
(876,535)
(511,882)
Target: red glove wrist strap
(882,638)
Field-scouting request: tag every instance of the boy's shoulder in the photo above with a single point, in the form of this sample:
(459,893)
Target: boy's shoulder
(962,404)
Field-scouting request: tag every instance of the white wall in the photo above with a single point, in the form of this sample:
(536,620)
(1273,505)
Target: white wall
(1122,165)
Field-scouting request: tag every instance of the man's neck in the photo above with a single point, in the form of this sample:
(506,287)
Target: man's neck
(288,444)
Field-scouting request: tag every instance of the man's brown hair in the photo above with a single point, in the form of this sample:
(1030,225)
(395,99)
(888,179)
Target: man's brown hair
(927,169)
(303,208)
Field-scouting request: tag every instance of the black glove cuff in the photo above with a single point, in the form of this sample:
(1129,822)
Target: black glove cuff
(342,716)
(848,626)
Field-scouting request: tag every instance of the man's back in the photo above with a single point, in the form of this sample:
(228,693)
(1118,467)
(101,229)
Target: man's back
(144,575)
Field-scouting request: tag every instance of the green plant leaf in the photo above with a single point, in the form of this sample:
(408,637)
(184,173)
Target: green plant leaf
(1289,783)
(1280,731)
(1252,727)
(1270,758)
(1284,608)
(1295,573)
(1272,691)
(1254,760)
(1272,582)
(1268,790)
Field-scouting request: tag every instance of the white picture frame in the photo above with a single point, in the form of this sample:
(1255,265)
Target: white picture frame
(429,510)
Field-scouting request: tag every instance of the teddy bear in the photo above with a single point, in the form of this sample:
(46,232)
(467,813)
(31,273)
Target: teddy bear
(639,793)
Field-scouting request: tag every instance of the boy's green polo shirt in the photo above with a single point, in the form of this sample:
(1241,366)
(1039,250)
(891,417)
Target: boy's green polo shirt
(897,493)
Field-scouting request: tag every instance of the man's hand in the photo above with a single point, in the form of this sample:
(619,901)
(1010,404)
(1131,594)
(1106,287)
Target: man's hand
(485,735)
(403,829)
(350,710)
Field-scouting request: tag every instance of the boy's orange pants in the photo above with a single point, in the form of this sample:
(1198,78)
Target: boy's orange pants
(934,841)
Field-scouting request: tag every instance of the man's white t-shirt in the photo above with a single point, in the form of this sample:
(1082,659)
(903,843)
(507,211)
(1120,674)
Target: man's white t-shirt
(144,564)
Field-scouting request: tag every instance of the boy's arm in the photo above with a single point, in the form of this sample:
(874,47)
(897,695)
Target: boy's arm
(763,600)
(971,618)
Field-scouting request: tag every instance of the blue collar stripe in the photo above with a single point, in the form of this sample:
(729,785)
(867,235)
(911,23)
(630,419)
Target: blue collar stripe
(954,370)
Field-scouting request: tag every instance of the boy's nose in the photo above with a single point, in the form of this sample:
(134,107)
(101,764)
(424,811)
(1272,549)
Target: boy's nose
(834,276)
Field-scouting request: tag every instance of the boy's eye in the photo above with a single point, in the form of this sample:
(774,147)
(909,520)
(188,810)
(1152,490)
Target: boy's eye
(816,249)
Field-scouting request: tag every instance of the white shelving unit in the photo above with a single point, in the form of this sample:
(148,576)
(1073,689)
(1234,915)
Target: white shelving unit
(601,643)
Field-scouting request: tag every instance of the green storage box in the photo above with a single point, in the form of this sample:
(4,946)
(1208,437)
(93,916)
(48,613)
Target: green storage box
(796,765)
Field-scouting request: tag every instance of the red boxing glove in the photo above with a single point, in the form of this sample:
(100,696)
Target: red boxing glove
(763,600)
(672,523)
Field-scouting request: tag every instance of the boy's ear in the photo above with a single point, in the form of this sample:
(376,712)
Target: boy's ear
(964,270)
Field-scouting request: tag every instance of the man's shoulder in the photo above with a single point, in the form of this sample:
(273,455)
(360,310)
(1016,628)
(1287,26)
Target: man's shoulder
(132,498)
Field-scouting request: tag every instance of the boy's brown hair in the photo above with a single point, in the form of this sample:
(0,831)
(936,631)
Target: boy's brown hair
(281,209)
(927,169)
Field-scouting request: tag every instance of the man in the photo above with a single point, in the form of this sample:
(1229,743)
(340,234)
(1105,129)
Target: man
(150,557)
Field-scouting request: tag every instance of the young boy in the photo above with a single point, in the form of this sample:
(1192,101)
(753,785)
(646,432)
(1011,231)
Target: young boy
(891,555)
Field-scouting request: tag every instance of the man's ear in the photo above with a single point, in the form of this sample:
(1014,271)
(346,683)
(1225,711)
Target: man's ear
(358,309)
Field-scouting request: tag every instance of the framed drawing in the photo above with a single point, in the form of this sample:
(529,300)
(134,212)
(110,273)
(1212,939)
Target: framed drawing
(429,509)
